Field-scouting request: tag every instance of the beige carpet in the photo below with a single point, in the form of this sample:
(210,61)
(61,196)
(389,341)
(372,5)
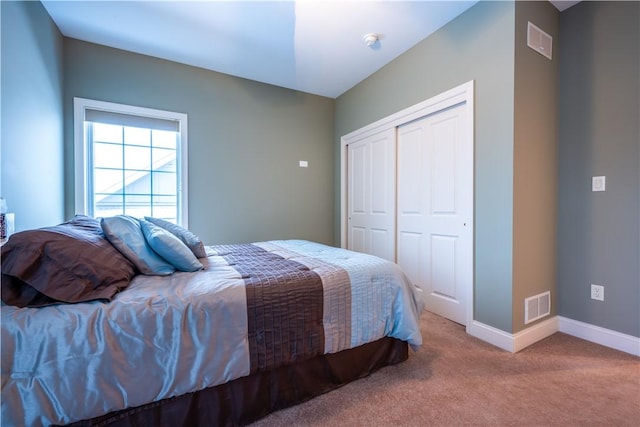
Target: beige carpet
(457,380)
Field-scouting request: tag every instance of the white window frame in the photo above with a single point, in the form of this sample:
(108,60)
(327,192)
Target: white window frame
(80,105)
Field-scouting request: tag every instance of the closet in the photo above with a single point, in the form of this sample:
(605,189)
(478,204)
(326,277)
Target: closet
(408,197)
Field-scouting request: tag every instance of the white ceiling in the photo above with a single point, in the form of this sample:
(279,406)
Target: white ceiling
(309,45)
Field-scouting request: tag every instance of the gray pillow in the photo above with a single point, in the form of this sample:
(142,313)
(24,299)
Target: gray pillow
(125,234)
(169,247)
(192,241)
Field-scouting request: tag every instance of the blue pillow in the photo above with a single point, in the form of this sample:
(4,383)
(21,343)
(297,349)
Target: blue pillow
(192,241)
(169,247)
(125,234)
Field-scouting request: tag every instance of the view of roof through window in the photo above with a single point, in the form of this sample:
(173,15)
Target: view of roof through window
(134,171)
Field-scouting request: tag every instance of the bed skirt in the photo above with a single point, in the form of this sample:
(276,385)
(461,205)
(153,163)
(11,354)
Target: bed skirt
(247,399)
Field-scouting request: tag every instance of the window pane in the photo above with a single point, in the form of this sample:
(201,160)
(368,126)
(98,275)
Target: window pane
(164,160)
(137,157)
(165,139)
(137,182)
(165,207)
(107,205)
(137,136)
(137,205)
(107,155)
(107,181)
(164,183)
(107,133)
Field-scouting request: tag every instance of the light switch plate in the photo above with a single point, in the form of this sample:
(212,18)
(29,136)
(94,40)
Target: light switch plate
(598,183)
(304,164)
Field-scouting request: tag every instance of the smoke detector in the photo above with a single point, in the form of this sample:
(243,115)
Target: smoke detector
(370,39)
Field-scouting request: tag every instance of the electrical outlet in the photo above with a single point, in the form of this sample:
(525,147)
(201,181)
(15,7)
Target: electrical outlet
(597,292)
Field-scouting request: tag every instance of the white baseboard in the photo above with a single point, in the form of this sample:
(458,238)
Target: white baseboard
(520,340)
(535,333)
(514,342)
(596,334)
(495,336)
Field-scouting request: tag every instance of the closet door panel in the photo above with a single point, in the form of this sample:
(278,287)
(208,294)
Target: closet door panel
(409,254)
(358,154)
(371,195)
(435,202)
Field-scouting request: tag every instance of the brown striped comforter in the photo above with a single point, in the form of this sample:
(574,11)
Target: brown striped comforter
(284,306)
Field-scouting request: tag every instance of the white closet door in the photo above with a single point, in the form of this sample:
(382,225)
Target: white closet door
(435,209)
(371,195)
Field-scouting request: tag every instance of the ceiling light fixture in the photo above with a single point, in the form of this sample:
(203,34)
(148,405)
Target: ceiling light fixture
(370,39)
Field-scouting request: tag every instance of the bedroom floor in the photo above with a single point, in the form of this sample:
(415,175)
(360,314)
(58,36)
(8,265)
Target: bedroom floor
(456,379)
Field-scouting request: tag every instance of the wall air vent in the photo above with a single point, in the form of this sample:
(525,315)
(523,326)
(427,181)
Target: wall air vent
(537,306)
(539,41)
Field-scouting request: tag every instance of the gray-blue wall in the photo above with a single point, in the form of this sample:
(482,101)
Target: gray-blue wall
(245,142)
(599,97)
(31,145)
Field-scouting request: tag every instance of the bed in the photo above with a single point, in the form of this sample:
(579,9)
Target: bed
(255,328)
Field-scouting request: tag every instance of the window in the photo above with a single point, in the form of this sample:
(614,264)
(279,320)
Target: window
(130,160)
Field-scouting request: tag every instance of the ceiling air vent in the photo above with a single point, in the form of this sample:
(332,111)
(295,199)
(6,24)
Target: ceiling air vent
(539,41)
(537,306)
